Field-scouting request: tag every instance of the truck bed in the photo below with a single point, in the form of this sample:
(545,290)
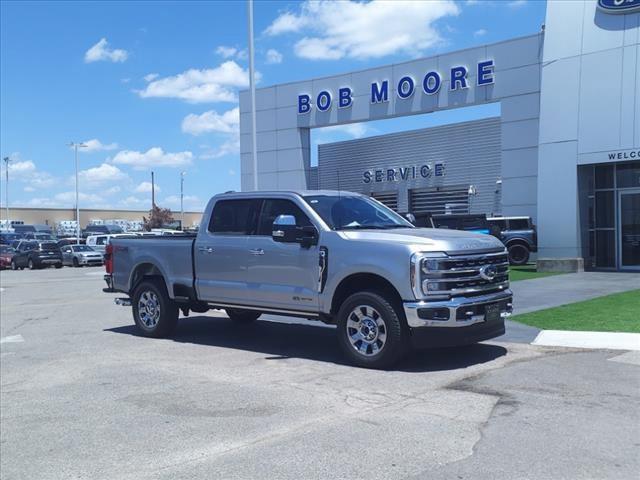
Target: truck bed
(172,255)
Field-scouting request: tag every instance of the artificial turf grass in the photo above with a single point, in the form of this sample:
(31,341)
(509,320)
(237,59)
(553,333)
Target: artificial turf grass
(619,312)
(527,272)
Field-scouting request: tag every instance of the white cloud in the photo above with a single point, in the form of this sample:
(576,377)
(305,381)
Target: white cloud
(95,145)
(145,187)
(25,171)
(101,52)
(154,157)
(132,201)
(228,147)
(100,175)
(480,33)
(273,56)
(112,190)
(362,30)
(199,86)
(231,52)
(125,80)
(288,23)
(211,121)
(70,197)
(150,77)
(29,189)
(232,171)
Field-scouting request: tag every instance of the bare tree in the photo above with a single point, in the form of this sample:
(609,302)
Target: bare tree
(158,218)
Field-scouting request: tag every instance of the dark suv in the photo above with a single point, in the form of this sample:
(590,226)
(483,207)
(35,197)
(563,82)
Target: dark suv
(519,236)
(34,254)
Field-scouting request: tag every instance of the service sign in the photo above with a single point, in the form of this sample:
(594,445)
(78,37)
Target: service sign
(619,6)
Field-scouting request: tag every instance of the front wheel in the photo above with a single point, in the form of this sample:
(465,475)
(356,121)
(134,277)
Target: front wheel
(31,265)
(518,254)
(58,265)
(154,313)
(13,265)
(371,332)
(242,316)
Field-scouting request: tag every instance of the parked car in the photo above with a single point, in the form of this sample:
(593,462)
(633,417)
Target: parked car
(71,241)
(81,255)
(519,236)
(40,236)
(6,254)
(99,242)
(34,254)
(7,238)
(476,223)
(101,229)
(338,257)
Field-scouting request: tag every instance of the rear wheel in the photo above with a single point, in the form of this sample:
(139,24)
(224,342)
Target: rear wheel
(518,254)
(371,332)
(154,313)
(31,265)
(13,265)
(75,262)
(58,265)
(243,316)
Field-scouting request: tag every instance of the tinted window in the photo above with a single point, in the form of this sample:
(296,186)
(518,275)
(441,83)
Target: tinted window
(519,224)
(101,240)
(234,217)
(81,248)
(25,246)
(274,207)
(501,224)
(628,175)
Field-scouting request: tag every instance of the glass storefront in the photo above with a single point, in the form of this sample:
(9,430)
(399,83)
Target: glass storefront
(610,212)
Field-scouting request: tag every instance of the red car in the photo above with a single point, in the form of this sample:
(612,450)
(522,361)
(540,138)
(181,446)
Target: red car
(6,254)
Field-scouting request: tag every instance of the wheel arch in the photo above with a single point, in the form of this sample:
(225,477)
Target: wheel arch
(146,269)
(359,282)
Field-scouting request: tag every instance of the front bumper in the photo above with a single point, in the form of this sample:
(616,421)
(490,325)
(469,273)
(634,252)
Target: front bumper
(90,260)
(465,323)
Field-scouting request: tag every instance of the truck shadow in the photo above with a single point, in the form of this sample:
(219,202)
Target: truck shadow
(280,341)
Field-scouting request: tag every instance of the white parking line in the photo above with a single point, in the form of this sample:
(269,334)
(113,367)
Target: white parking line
(12,339)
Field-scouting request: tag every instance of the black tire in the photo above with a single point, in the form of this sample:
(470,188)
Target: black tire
(13,265)
(167,317)
(243,316)
(75,262)
(58,265)
(395,343)
(31,265)
(518,254)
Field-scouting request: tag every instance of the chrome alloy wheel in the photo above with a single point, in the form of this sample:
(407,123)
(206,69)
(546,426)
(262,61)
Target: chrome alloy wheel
(366,330)
(149,309)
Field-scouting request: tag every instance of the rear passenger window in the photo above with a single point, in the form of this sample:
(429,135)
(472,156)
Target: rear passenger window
(519,224)
(234,217)
(274,207)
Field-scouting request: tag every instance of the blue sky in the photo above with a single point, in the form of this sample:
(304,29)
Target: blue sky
(153,85)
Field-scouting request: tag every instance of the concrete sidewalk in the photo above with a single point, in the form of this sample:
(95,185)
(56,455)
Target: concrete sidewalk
(547,292)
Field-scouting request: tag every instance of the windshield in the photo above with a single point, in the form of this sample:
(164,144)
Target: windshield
(48,246)
(82,248)
(6,249)
(353,213)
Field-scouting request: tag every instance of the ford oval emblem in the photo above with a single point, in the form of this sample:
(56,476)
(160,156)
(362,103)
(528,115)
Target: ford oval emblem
(489,272)
(619,6)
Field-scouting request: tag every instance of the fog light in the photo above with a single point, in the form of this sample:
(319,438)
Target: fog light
(441,314)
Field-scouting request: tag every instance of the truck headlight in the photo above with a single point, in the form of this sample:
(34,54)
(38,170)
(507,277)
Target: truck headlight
(421,264)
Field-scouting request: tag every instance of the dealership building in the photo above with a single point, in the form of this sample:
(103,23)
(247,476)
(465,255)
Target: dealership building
(564,147)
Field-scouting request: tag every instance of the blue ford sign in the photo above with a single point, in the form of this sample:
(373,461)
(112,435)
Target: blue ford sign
(619,6)
(405,88)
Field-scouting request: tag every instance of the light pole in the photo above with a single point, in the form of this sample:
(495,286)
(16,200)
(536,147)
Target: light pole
(252,85)
(182,174)
(75,146)
(6,191)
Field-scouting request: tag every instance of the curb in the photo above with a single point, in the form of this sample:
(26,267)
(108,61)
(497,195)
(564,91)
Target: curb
(591,340)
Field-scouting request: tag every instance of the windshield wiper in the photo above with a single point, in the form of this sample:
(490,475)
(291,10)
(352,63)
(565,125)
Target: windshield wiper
(370,227)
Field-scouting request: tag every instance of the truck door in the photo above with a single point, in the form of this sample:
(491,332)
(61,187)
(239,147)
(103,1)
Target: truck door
(282,275)
(220,252)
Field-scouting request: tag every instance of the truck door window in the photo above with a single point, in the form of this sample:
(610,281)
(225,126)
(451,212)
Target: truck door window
(274,207)
(234,217)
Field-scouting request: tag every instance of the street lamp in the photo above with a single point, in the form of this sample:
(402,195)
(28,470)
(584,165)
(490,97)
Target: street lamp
(6,191)
(75,146)
(182,174)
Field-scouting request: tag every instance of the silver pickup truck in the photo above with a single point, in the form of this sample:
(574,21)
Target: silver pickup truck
(338,257)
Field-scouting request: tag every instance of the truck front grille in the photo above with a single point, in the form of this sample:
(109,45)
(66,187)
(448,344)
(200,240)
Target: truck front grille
(467,275)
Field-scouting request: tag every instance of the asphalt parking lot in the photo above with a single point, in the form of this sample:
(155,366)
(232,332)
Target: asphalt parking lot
(82,396)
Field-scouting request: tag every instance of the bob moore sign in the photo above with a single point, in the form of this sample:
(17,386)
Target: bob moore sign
(427,170)
(619,6)
(406,87)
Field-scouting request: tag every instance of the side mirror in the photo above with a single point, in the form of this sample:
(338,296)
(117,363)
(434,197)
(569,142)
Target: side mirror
(284,229)
(411,217)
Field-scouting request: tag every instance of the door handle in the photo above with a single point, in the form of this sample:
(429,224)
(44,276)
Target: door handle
(205,249)
(256,251)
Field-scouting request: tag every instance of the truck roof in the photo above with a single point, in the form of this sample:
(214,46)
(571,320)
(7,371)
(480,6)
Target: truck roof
(302,193)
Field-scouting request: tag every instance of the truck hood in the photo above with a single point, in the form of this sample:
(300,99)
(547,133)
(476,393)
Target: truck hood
(429,239)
